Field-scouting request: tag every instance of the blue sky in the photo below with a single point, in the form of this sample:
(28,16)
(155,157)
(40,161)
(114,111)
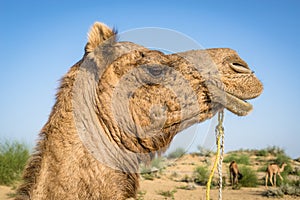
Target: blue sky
(40,40)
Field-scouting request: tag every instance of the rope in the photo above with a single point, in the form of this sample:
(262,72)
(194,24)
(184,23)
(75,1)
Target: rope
(219,156)
(220,130)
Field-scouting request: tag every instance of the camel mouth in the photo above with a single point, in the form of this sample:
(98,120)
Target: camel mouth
(232,102)
(236,105)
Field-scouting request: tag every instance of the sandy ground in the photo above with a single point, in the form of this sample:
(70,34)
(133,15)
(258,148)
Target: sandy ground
(4,192)
(185,166)
(152,191)
(168,182)
(152,188)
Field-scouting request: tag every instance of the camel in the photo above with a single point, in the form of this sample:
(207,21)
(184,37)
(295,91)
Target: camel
(274,170)
(120,103)
(235,175)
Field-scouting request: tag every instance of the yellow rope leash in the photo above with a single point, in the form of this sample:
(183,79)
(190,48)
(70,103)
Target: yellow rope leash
(220,140)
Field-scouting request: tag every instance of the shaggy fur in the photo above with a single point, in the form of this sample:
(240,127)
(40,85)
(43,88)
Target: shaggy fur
(120,103)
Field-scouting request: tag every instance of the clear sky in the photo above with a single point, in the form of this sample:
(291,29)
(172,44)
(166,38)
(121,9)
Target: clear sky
(40,40)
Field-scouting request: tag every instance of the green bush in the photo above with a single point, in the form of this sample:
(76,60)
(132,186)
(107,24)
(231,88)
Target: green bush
(141,194)
(295,183)
(297,172)
(177,153)
(205,151)
(262,168)
(240,159)
(149,172)
(167,193)
(274,150)
(287,189)
(201,175)
(282,158)
(262,152)
(13,157)
(157,163)
(186,178)
(273,192)
(285,180)
(290,190)
(249,177)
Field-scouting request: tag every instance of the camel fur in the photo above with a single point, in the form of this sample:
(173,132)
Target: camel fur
(235,174)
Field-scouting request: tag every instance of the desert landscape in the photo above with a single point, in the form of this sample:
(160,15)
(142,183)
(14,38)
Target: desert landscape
(185,177)
(179,175)
(253,45)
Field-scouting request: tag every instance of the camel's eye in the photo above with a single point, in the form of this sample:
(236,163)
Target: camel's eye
(240,68)
(156,71)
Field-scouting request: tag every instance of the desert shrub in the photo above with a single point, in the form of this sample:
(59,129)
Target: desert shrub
(174,175)
(157,163)
(262,168)
(150,171)
(282,158)
(275,150)
(201,175)
(249,177)
(240,159)
(285,180)
(167,193)
(286,189)
(296,172)
(176,153)
(290,190)
(187,187)
(275,193)
(204,151)
(262,152)
(186,178)
(148,176)
(295,183)
(230,157)
(13,157)
(140,195)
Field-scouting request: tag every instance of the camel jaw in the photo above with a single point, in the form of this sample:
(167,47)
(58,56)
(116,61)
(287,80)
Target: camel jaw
(236,105)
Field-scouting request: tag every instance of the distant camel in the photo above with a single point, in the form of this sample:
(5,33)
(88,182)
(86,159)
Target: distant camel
(274,169)
(235,175)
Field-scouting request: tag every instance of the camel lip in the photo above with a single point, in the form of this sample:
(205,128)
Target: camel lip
(229,100)
(237,105)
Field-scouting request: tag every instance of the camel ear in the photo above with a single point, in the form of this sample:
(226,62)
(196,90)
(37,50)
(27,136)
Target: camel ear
(98,33)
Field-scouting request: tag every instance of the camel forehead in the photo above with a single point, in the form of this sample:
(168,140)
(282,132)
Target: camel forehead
(222,53)
(222,50)
(154,67)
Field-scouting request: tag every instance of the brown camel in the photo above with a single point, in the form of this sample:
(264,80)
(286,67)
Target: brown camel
(235,175)
(274,170)
(120,103)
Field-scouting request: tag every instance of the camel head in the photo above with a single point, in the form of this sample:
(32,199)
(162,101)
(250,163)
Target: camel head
(283,165)
(238,80)
(140,98)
